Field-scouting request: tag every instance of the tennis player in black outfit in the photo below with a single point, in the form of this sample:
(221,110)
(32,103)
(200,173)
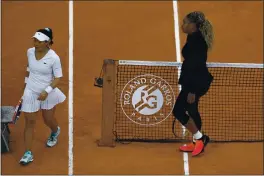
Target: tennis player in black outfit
(195,78)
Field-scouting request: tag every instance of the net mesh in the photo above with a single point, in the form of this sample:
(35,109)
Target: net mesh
(232,109)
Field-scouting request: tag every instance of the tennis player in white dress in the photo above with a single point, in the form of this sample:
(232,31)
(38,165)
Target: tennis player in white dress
(41,92)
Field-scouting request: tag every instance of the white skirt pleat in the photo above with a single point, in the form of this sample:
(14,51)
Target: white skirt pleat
(32,104)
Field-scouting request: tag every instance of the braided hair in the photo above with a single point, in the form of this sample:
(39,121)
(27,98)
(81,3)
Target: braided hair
(204,25)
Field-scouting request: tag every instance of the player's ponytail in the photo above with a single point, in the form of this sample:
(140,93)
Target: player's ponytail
(204,25)
(50,35)
(206,29)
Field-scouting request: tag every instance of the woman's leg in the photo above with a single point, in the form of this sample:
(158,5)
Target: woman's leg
(49,119)
(48,111)
(192,122)
(51,122)
(195,122)
(179,110)
(193,111)
(30,121)
(194,125)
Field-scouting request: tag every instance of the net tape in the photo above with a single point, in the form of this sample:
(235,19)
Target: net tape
(178,64)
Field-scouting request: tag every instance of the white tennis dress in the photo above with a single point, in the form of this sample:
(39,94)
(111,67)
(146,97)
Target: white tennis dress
(41,75)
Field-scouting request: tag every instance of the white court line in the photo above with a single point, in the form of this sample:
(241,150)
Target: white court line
(178,54)
(70,169)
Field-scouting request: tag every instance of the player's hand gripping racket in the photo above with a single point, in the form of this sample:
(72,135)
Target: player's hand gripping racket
(17,111)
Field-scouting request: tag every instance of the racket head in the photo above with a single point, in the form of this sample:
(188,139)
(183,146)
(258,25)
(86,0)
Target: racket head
(17,112)
(179,131)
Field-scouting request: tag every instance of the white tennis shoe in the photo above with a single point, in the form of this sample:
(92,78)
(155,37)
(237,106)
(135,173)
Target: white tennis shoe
(27,158)
(53,138)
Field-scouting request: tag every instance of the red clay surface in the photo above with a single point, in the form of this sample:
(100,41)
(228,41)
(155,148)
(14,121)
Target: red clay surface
(129,31)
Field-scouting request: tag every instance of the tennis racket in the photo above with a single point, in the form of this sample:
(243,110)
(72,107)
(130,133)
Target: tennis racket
(17,111)
(179,131)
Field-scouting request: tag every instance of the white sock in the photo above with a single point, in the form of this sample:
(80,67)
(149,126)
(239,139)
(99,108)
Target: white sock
(194,140)
(198,135)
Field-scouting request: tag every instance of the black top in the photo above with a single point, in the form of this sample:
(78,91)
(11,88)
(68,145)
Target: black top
(194,72)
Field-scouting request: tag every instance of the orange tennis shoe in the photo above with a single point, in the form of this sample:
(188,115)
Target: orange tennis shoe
(188,147)
(200,145)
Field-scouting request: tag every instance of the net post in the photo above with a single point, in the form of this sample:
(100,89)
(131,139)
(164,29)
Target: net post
(108,104)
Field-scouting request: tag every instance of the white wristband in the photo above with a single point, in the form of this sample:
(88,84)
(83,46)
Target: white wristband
(26,79)
(48,89)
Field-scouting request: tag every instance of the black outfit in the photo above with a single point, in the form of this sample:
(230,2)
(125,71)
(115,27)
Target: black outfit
(195,78)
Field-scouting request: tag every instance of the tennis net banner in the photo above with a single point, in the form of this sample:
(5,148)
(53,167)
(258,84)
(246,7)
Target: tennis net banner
(139,96)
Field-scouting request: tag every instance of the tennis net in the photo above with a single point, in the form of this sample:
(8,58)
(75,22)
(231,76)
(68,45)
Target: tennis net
(145,93)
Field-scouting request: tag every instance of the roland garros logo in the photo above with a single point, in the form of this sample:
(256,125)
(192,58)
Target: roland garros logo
(147,100)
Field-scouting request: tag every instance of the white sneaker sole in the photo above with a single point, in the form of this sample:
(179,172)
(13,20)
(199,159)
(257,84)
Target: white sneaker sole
(51,145)
(26,162)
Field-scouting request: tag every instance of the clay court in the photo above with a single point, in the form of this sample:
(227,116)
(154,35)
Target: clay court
(125,31)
